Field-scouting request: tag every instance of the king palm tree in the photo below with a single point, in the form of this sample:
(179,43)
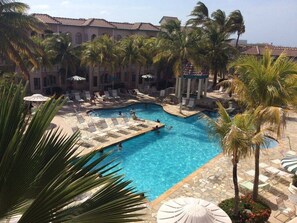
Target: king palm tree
(131,54)
(217,29)
(90,56)
(61,50)
(178,46)
(15,25)
(266,87)
(42,179)
(237,25)
(236,136)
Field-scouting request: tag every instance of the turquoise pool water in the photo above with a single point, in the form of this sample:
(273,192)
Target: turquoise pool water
(156,162)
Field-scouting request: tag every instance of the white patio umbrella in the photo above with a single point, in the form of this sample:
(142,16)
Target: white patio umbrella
(36,98)
(191,210)
(76,78)
(147,76)
(289,163)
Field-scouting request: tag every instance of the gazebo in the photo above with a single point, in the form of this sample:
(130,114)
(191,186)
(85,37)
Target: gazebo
(196,82)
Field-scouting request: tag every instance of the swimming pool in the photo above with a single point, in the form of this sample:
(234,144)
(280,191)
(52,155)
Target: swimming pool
(156,162)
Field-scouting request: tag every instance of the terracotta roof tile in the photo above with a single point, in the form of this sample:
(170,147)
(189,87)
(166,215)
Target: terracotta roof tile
(96,23)
(275,50)
(70,22)
(148,26)
(46,18)
(99,23)
(122,25)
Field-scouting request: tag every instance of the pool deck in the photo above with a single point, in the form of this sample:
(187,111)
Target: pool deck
(213,181)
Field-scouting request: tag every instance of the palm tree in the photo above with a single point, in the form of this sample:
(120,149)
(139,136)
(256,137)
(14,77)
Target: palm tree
(236,24)
(108,54)
(178,46)
(237,136)
(218,49)
(60,48)
(42,179)
(131,54)
(199,14)
(15,25)
(217,30)
(90,56)
(266,87)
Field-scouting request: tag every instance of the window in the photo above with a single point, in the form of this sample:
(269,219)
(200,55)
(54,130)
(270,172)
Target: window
(93,37)
(133,77)
(37,84)
(119,37)
(95,81)
(126,76)
(78,38)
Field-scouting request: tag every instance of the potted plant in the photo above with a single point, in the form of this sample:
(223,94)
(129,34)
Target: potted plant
(293,185)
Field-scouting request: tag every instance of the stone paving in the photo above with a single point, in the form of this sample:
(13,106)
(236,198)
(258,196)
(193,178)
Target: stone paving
(213,181)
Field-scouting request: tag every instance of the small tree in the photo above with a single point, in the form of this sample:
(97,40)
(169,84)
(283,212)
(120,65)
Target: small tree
(237,136)
(265,87)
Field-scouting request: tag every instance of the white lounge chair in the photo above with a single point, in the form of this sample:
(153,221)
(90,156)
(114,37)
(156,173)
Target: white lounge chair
(162,93)
(184,101)
(115,94)
(248,186)
(88,96)
(107,95)
(77,97)
(98,97)
(138,93)
(191,103)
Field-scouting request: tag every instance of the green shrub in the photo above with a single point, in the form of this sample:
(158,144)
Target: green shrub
(249,211)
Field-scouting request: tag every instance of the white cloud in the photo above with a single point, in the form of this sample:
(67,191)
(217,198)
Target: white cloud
(64,3)
(40,7)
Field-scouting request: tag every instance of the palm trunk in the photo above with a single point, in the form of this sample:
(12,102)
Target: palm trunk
(257,169)
(237,40)
(236,188)
(215,77)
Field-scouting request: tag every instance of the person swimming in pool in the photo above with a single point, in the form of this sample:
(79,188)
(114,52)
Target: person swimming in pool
(156,129)
(120,146)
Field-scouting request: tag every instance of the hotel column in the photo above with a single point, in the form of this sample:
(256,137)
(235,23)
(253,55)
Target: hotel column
(188,88)
(205,87)
(179,87)
(176,86)
(199,89)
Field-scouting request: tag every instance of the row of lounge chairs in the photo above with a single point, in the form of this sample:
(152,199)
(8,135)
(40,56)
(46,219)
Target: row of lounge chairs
(114,94)
(269,178)
(99,130)
(78,97)
(190,104)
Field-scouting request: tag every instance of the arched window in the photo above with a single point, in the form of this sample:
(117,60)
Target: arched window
(119,37)
(70,35)
(78,38)
(93,37)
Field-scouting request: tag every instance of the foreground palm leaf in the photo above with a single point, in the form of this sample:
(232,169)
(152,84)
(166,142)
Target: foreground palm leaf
(43,180)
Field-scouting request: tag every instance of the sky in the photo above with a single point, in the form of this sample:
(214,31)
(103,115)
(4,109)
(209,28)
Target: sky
(266,21)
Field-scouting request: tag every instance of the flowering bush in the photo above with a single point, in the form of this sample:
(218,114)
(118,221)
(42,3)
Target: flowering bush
(249,211)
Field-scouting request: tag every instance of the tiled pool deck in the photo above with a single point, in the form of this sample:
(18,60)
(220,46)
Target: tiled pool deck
(213,181)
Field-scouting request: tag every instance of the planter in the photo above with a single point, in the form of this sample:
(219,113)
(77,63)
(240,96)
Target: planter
(292,189)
